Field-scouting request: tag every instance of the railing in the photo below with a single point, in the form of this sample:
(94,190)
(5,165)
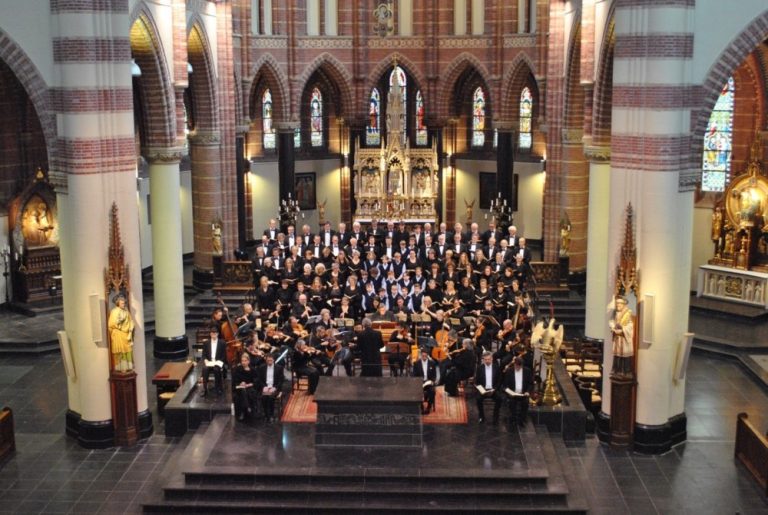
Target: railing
(752,450)
(7,439)
(236,275)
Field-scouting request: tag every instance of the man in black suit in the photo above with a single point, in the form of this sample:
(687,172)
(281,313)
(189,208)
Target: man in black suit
(523,250)
(488,376)
(519,380)
(370,342)
(215,350)
(301,364)
(270,378)
(326,234)
(358,234)
(272,230)
(426,369)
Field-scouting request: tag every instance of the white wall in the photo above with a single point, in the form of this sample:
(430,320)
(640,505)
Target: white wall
(528,217)
(145,230)
(328,177)
(29,25)
(716,24)
(265,194)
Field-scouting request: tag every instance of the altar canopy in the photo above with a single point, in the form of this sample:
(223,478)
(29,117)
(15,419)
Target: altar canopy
(395,182)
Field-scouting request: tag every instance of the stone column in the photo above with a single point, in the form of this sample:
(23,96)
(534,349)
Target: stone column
(206,193)
(598,288)
(95,165)
(167,265)
(286,159)
(654,182)
(436,138)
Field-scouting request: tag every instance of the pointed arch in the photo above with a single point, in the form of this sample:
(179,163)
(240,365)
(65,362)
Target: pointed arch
(385,64)
(266,73)
(338,76)
(202,83)
(603,94)
(519,75)
(574,93)
(743,44)
(463,63)
(37,90)
(158,111)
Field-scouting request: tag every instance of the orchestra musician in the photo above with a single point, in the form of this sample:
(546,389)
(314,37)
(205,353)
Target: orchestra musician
(322,342)
(507,337)
(425,368)
(302,310)
(488,376)
(459,366)
(302,364)
(269,378)
(399,349)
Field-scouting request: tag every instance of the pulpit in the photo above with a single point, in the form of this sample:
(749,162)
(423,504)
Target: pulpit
(35,260)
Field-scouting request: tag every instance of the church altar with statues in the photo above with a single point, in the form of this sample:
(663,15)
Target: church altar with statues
(395,182)
(738,272)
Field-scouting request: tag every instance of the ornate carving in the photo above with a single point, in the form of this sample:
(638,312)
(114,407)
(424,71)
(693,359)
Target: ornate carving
(627,279)
(269,42)
(465,42)
(325,42)
(396,43)
(597,153)
(572,135)
(368,419)
(164,155)
(520,41)
(116,274)
(205,138)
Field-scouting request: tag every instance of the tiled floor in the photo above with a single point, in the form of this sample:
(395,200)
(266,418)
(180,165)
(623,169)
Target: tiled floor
(50,473)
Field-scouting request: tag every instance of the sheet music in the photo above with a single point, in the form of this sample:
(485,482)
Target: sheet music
(427,383)
(512,393)
(482,390)
(217,363)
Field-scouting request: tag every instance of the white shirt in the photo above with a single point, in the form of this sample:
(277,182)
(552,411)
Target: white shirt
(270,376)
(489,377)
(327,239)
(214,344)
(519,380)
(425,368)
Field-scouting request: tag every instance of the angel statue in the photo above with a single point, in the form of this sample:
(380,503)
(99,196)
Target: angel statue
(321,211)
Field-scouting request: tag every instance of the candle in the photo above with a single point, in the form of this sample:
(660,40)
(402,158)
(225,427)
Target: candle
(505,202)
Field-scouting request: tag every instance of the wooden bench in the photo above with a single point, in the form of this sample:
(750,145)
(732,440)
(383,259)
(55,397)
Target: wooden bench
(752,450)
(168,379)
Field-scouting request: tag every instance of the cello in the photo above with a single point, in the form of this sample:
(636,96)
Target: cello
(444,342)
(229,333)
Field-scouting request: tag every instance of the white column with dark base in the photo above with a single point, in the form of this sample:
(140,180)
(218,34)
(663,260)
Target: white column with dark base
(170,340)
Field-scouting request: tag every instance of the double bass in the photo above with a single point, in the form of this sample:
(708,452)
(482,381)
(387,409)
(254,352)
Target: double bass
(444,342)
(229,334)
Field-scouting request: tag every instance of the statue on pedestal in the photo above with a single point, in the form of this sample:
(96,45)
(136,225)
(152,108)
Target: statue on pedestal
(622,329)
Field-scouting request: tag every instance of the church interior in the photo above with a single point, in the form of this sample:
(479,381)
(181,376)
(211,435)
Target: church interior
(323,256)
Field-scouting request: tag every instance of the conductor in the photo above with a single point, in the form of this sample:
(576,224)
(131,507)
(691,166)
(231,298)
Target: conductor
(370,342)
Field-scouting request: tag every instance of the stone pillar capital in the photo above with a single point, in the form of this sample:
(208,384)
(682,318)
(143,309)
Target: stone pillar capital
(597,153)
(572,136)
(205,138)
(164,155)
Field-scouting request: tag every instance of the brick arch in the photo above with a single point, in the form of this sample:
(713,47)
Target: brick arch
(519,74)
(451,74)
(37,90)
(386,64)
(158,107)
(337,73)
(266,71)
(202,83)
(574,93)
(750,38)
(749,112)
(603,94)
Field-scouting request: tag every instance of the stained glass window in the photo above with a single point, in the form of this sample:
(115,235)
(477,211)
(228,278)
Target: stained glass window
(373,131)
(526,113)
(268,129)
(478,118)
(421,128)
(316,118)
(718,142)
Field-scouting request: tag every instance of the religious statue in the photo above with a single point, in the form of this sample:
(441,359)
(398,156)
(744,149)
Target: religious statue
(120,328)
(717,229)
(321,211)
(622,329)
(369,177)
(565,235)
(741,257)
(37,226)
(749,290)
(729,247)
(216,247)
(395,181)
(758,294)
(469,209)
(749,205)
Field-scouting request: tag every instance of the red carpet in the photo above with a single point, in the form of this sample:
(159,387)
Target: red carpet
(448,410)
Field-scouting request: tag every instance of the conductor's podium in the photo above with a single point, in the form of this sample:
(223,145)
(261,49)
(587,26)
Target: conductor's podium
(368,412)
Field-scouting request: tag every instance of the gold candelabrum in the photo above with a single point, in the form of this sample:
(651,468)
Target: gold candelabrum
(548,340)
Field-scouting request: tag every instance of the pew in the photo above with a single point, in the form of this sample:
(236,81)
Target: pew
(751,449)
(7,438)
